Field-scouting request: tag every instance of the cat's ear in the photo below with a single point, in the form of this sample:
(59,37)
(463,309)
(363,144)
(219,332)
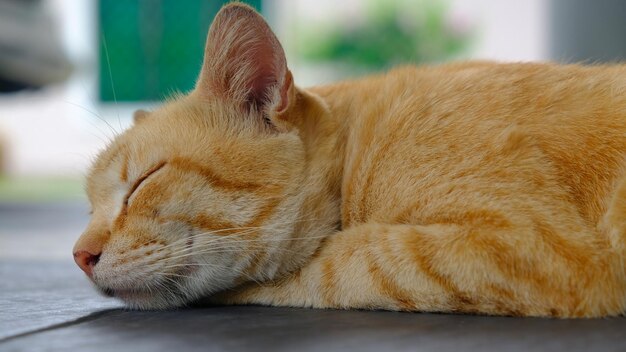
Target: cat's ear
(245,63)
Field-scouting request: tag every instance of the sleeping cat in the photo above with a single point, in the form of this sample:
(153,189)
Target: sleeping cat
(471,187)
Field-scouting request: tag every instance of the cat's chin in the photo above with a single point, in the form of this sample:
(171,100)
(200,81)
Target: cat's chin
(144,299)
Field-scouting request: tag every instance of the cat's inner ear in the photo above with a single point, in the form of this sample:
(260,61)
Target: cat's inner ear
(245,63)
(140,115)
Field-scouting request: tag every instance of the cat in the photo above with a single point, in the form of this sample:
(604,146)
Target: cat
(472,187)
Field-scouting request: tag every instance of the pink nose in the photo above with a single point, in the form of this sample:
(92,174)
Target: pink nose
(86,261)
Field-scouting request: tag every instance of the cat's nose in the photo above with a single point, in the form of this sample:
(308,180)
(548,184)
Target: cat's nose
(86,261)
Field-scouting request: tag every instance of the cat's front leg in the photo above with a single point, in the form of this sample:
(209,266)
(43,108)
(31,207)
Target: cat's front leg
(442,268)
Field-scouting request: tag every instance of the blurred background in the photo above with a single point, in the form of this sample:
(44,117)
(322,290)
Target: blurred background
(73,71)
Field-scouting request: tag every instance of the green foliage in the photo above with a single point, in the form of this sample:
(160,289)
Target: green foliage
(391,33)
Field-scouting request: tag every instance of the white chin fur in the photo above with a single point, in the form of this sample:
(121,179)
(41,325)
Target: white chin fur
(146,300)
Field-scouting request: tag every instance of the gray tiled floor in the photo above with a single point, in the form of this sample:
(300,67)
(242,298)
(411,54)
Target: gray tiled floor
(47,305)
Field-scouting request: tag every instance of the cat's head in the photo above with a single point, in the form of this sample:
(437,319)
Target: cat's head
(206,192)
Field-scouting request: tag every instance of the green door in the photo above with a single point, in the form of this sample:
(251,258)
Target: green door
(152,48)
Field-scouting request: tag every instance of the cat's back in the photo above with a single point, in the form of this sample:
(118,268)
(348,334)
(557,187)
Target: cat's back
(486,91)
(421,139)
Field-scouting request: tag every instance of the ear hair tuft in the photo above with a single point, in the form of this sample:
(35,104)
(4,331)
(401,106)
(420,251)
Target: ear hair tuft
(140,115)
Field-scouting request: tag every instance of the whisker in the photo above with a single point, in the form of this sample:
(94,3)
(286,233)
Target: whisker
(93,103)
(115,133)
(206,233)
(238,271)
(106,53)
(207,247)
(224,250)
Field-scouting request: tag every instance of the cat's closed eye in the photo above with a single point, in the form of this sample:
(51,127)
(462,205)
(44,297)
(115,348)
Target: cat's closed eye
(141,179)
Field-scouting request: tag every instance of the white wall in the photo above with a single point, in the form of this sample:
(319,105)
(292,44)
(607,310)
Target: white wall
(509,30)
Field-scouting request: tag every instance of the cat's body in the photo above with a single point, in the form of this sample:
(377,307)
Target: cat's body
(477,187)
(474,187)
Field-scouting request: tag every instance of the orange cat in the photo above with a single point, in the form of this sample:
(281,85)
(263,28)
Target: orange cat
(472,187)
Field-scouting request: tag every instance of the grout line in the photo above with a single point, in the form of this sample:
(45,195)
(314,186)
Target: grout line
(87,318)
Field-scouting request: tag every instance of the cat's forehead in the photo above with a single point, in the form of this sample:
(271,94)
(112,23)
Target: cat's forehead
(173,126)
(192,128)
(192,117)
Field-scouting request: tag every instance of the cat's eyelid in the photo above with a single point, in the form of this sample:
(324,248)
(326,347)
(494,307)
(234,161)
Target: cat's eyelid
(140,180)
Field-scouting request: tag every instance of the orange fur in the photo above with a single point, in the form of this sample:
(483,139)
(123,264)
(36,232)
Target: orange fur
(469,187)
